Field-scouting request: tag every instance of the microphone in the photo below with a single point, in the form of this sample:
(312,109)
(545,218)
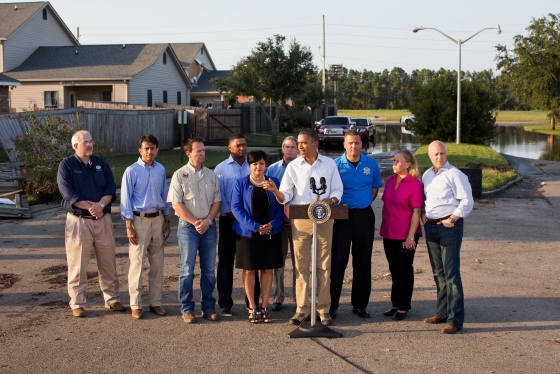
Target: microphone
(323,183)
(312,183)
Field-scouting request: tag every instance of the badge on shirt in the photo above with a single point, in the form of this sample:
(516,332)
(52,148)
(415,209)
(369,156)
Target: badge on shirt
(342,170)
(185,175)
(366,170)
(97,167)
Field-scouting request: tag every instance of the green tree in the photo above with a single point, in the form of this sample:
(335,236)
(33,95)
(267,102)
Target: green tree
(435,110)
(271,72)
(532,68)
(311,96)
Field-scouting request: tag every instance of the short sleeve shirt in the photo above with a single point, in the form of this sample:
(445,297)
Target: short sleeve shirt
(358,181)
(398,206)
(197,191)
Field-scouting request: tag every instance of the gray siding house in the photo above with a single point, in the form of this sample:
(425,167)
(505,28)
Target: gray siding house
(139,74)
(26,26)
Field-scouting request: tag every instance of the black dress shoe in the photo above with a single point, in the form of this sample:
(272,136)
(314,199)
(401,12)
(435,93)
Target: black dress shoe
(277,307)
(390,312)
(362,313)
(399,315)
(332,314)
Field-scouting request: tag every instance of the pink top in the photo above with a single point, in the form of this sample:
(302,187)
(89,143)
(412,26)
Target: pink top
(398,206)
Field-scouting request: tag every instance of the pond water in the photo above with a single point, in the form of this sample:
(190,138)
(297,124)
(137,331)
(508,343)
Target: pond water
(511,140)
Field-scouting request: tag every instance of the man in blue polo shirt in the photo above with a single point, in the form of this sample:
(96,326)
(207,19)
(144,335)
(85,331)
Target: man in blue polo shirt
(359,174)
(87,187)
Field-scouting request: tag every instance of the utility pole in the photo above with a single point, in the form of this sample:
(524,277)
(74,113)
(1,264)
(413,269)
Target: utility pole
(323,75)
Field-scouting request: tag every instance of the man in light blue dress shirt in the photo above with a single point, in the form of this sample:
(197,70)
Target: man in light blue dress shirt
(146,213)
(448,202)
(276,170)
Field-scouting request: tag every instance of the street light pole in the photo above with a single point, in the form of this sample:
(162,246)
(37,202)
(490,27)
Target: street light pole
(459,43)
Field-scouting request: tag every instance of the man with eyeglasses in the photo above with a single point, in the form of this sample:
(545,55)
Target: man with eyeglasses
(87,187)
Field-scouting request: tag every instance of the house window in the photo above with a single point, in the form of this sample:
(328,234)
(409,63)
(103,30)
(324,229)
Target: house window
(105,95)
(45,14)
(165,97)
(51,99)
(149,97)
(201,51)
(179,98)
(164,58)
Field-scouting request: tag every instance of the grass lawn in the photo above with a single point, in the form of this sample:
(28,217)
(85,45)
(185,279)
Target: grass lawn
(538,116)
(495,170)
(169,158)
(391,114)
(543,129)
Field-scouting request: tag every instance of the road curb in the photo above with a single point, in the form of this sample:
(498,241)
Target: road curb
(494,192)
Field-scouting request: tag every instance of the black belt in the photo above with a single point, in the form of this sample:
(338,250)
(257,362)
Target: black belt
(86,217)
(437,221)
(147,215)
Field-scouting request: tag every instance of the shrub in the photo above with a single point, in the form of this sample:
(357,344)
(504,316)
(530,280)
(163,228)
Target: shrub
(45,143)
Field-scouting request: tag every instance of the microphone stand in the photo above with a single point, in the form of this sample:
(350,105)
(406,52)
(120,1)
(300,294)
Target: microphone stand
(314,331)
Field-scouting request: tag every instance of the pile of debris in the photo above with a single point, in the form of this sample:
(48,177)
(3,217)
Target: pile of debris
(13,202)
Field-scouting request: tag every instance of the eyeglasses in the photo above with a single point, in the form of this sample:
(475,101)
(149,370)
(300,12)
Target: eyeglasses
(92,142)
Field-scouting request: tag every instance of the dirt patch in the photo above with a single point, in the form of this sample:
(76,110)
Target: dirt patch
(7,280)
(60,273)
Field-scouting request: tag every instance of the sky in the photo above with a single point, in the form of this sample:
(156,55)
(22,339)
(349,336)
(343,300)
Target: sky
(373,35)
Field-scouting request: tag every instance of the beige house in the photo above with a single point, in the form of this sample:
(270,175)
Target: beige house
(140,74)
(205,92)
(5,84)
(26,26)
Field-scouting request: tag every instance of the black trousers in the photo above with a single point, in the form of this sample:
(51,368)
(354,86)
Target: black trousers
(226,262)
(358,232)
(402,272)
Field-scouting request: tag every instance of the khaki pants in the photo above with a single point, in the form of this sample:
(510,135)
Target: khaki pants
(81,237)
(150,244)
(302,231)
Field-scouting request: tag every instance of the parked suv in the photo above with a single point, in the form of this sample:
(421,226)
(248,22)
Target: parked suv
(333,129)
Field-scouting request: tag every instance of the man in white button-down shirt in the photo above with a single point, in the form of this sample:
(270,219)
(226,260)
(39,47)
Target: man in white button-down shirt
(295,189)
(448,201)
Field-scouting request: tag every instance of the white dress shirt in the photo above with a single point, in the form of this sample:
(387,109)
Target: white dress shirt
(447,192)
(295,183)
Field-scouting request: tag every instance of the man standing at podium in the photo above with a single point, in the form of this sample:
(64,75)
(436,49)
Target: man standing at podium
(360,174)
(295,189)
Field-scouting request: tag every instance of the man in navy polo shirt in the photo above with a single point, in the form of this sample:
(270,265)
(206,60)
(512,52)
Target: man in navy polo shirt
(87,187)
(359,174)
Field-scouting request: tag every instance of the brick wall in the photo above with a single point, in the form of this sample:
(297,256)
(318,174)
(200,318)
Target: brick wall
(4,99)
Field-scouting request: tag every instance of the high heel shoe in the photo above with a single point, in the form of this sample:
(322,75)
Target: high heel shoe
(265,315)
(253,316)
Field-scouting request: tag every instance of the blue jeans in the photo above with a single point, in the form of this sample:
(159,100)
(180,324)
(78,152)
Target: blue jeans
(444,246)
(190,241)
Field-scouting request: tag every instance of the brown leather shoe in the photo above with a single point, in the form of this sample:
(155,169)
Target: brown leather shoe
(137,314)
(433,320)
(189,317)
(211,315)
(158,310)
(450,329)
(78,312)
(118,307)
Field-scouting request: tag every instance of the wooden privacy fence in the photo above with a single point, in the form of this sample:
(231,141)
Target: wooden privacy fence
(111,105)
(210,125)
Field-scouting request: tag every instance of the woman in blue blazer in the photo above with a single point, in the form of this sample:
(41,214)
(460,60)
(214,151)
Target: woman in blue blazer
(258,224)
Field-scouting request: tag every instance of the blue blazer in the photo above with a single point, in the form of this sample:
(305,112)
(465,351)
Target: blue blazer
(241,207)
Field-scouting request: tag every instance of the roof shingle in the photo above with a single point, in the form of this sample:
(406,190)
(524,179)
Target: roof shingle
(11,19)
(88,62)
(204,83)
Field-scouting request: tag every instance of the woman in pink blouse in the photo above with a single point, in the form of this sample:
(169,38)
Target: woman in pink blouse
(403,200)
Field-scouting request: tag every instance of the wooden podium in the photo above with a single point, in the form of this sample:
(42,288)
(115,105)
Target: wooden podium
(311,330)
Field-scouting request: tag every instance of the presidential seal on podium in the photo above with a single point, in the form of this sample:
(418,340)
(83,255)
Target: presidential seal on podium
(319,212)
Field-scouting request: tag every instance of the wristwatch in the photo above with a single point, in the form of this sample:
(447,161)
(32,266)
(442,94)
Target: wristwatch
(209,221)
(101,205)
(333,200)
(452,220)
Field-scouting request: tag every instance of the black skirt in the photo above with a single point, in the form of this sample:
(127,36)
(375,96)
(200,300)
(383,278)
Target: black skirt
(259,252)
